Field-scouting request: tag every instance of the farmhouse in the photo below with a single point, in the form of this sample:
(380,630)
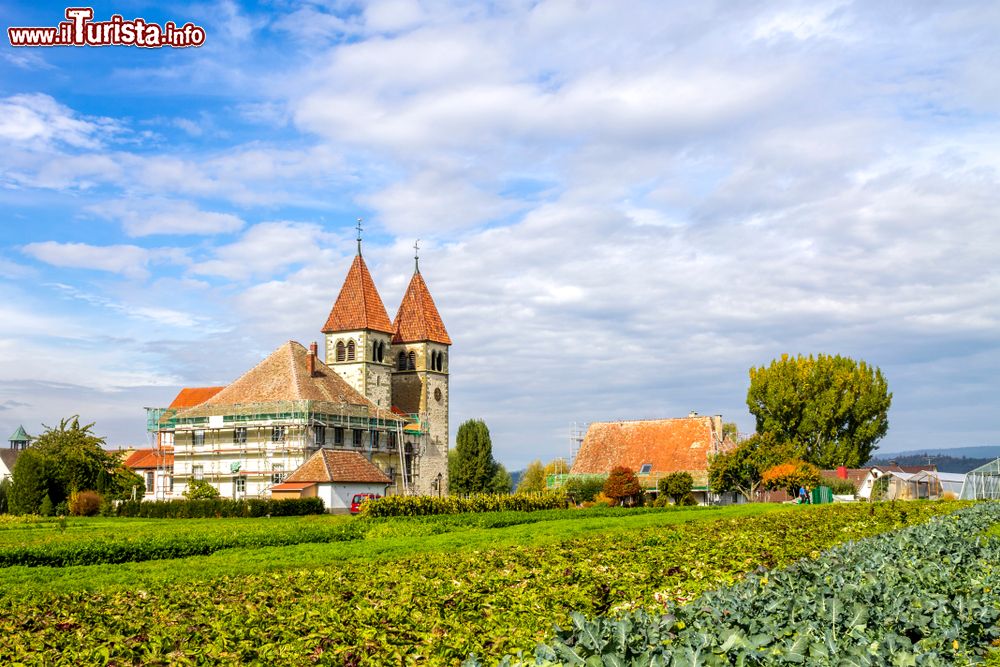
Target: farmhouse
(156,467)
(382,391)
(654,449)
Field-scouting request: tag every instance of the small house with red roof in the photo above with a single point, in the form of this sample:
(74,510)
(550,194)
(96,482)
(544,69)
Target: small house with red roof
(335,476)
(156,467)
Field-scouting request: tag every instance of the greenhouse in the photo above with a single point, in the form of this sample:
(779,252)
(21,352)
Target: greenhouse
(983,482)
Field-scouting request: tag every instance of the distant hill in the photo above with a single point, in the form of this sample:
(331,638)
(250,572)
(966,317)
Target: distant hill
(977,452)
(959,464)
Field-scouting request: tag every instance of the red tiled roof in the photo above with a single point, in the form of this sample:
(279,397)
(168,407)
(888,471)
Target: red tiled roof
(192,396)
(284,376)
(335,465)
(358,306)
(149,458)
(418,318)
(669,445)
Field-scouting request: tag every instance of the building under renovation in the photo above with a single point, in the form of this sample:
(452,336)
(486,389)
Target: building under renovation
(382,391)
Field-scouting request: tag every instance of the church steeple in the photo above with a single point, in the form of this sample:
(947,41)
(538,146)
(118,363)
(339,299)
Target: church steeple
(418,318)
(358,334)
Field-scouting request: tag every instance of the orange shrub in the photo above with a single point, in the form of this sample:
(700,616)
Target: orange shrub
(84,503)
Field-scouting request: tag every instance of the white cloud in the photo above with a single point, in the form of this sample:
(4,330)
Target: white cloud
(128,260)
(39,119)
(264,249)
(164,216)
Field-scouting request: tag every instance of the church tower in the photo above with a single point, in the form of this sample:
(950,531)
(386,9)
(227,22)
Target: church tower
(420,345)
(359,335)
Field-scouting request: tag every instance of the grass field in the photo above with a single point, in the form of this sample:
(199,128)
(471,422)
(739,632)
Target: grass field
(398,591)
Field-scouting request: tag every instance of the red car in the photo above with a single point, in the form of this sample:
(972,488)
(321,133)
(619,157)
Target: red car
(360,498)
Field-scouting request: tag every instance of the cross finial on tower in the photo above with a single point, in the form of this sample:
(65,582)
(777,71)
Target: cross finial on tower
(416,256)
(359,228)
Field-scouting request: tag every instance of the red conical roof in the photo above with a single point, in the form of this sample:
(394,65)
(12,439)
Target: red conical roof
(358,306)
(418,318)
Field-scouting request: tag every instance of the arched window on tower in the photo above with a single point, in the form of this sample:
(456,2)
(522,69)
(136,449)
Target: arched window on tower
(340,350)
(350,350)
(401,362)
(379,351)
(411,361)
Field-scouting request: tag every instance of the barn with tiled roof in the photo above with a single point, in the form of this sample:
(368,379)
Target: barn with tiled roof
(653,449)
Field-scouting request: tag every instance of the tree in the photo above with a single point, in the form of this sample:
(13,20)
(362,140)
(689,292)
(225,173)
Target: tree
(65,460)
(622,485)
(472,469)
(584,488)
(29,482)
(791,476)
(5,495)
(501,483)
(677,485)
(741,469)
(834,408)
(532,479)
(199,489)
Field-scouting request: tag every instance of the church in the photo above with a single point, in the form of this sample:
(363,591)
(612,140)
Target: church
(381,390)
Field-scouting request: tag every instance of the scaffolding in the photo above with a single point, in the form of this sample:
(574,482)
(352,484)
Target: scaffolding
(983,483)
(298,421)
(577,432)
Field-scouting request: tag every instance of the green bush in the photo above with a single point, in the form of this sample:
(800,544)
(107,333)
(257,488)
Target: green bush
(219,507)
(425,505)
(199,489)
(840,487)
(677,485)
(584,488)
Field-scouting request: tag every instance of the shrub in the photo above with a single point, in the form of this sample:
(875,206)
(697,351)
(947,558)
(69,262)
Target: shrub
(791,476)
(84,503)
(199,489)
(219,507)
(622,486)
(5,495)
(425,505)
(677,485)
(46,509)
(840,487)
(584,488)
(601,499)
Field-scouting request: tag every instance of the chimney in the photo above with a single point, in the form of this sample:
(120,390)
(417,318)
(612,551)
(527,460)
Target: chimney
(313,351)
(842,472)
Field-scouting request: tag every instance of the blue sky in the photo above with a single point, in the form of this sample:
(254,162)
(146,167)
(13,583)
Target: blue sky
(622,207)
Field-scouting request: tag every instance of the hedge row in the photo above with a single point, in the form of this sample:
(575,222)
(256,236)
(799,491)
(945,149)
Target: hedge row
(219,507)
(425,505)
(925,595)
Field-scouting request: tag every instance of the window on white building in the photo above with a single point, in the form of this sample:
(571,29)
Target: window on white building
(320,433)
(150,480)
(198,472)
(338,435)
(199,438)
(241,485)
(277,473)
(277,434)
(391,444)
(240,435)
(170,483)
(358,437)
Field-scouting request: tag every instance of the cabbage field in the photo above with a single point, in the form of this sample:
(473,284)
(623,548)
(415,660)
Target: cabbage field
(890,583)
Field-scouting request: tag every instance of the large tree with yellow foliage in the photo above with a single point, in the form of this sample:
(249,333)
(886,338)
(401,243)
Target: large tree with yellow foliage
(831,408)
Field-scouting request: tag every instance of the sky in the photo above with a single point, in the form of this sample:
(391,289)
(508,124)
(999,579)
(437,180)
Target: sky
(621,207)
